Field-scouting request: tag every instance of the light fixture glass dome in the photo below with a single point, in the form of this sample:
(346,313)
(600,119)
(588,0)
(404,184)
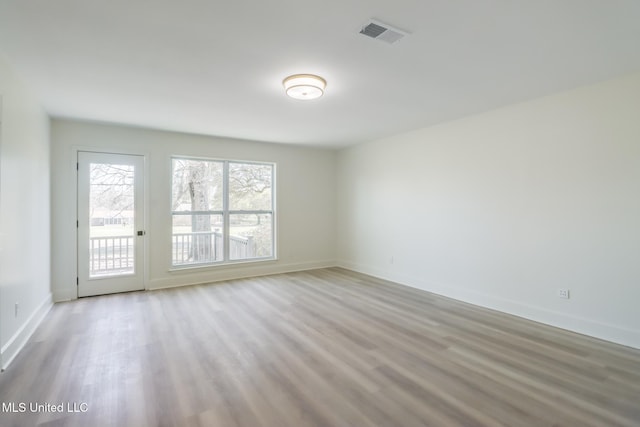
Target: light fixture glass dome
(304,86)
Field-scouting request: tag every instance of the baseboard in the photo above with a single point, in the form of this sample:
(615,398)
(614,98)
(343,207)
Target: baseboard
(604,331)
(11,349)
(189,277)
(65,294)
(198,276)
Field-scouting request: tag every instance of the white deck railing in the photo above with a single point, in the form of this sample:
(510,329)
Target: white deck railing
(207,246)
(111,255)
(115,254)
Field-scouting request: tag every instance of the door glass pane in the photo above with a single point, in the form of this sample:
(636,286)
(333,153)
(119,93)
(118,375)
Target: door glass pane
(111,220)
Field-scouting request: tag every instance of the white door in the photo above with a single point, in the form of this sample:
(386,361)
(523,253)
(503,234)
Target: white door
(110,223)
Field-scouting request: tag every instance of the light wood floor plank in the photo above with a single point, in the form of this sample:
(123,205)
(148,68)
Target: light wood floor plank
(313,349)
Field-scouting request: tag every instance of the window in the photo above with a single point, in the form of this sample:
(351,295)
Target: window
(222,211)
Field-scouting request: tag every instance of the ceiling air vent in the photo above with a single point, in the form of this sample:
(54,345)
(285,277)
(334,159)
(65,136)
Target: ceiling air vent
(380,31)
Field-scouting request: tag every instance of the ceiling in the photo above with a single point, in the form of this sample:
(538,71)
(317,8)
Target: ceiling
(216,67)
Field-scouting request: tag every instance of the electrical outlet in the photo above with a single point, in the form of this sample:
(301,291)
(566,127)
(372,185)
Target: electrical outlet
(17,306)
(563,293)
(392,260)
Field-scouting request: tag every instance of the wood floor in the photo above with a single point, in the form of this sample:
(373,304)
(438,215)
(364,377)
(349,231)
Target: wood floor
(319,348)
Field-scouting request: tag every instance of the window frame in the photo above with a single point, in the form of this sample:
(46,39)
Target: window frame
(226,214)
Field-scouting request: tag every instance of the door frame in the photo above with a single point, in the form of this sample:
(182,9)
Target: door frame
(143,240)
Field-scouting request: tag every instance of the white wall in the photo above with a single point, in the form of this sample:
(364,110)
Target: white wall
(503,208)
(305,200)
(24,214)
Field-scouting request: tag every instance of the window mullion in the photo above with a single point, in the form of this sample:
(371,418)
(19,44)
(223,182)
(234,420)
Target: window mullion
(250,212)
(191,213)
(225,207)
(273,208)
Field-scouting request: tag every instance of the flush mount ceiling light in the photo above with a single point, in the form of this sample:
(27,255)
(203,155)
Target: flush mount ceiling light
(304,86)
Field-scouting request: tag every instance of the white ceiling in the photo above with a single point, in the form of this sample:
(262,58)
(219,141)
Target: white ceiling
(216,67)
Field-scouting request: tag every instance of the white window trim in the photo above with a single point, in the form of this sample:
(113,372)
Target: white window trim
(226,213)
